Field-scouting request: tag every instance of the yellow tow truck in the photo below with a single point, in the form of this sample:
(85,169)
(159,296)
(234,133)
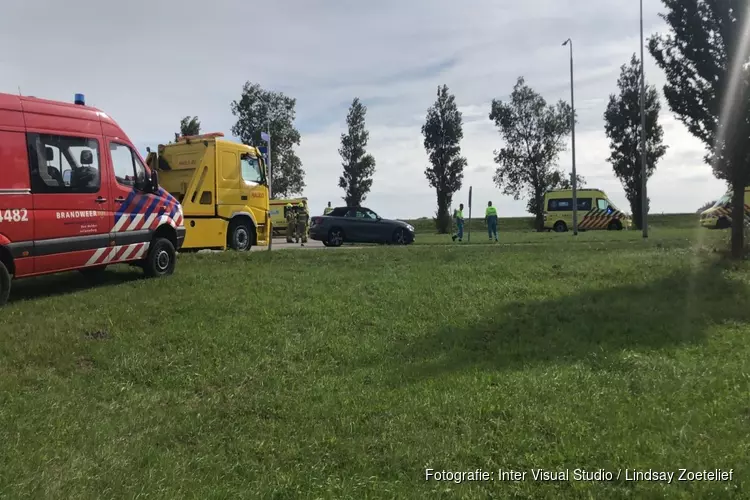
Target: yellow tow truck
(223,188)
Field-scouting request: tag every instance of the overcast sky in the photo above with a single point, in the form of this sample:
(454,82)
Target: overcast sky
(148,64)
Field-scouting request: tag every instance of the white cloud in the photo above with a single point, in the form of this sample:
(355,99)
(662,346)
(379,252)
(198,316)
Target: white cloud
(148,64)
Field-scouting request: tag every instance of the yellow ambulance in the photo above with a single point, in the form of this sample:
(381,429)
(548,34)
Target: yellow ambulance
(277,212)
(595,211)
(719,216)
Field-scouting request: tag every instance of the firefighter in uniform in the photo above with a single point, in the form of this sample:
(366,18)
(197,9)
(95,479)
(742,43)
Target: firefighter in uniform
(327,210)
(291,221)
(302,219)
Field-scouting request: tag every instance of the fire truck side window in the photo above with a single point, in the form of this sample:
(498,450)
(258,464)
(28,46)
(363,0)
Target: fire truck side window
(122,163)
(56,165)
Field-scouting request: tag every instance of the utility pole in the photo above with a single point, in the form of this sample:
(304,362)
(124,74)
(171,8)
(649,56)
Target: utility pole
(469,226)
(644,170)
(267,137)
(573,141)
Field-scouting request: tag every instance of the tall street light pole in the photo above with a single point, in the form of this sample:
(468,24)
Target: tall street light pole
(266,136)
(644,170)
(270,182)
(574,179)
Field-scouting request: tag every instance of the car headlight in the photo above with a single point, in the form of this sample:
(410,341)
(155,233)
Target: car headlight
(410,227)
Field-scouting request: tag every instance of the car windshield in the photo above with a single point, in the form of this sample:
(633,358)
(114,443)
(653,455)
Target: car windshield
(339,212)
(361,213)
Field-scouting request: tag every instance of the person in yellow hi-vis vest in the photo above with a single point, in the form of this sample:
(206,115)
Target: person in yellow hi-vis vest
(328,209)
(490,216)
(458,215)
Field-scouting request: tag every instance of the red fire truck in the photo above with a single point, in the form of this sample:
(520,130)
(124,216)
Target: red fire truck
(76,195)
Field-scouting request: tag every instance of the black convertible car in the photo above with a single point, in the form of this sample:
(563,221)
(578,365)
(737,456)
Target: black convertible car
(358,225)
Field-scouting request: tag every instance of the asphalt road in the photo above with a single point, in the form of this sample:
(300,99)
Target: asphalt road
(281,244)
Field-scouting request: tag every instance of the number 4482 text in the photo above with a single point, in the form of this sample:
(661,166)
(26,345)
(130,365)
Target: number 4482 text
(15,215)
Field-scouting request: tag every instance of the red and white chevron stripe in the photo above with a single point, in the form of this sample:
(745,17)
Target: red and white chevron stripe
(120,253)
(124,224)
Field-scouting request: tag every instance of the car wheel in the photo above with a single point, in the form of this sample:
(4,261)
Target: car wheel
(160,260)
(614,226)
(4,284)
(560,227)
(399,237)
(335,237)
(326,244)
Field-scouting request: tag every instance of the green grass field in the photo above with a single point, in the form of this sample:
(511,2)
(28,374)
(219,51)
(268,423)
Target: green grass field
(347,373)
(513,224)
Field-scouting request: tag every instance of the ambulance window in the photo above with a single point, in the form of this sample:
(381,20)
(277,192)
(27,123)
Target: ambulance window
(560,205)
(602,204)
(250,168)
(584,204)
(54,164)
(723,200)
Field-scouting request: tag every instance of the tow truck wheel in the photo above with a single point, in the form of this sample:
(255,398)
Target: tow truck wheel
(240,236)
(4,284)
(160,260)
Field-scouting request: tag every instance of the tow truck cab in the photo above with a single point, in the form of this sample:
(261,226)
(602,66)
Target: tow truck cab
(223,188)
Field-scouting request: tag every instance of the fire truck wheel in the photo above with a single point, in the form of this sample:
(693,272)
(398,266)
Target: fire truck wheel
(160,260)
(4,284)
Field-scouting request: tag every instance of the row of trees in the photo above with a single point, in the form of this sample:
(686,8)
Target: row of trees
(259,110)
(534,134)
(704,57)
